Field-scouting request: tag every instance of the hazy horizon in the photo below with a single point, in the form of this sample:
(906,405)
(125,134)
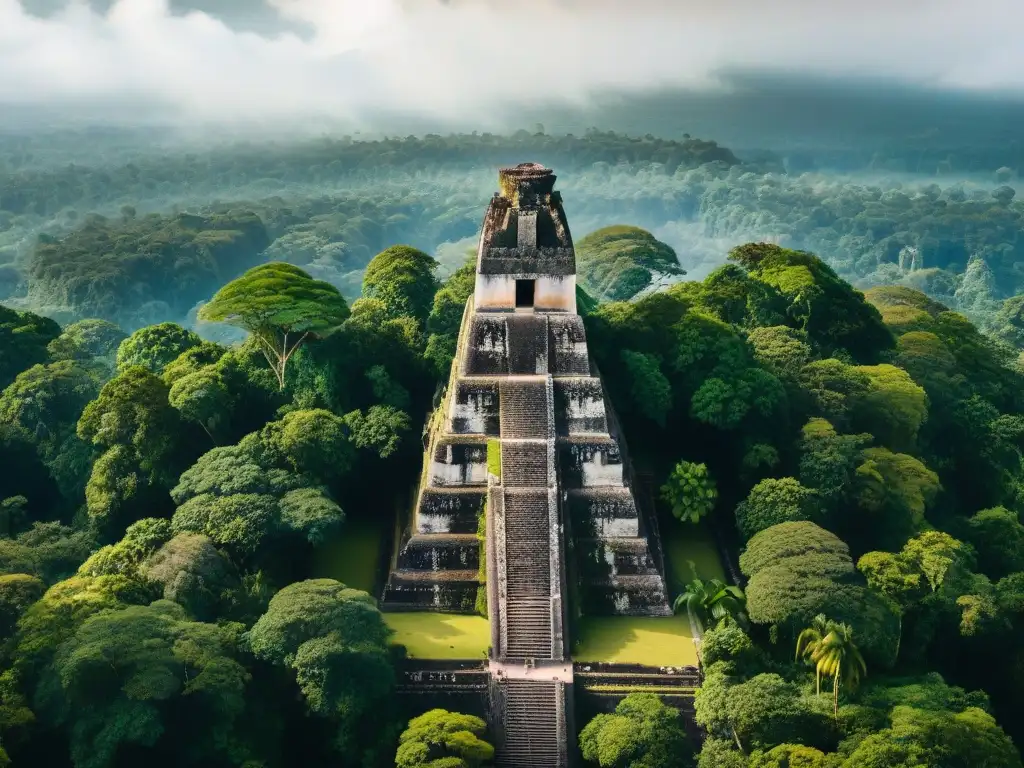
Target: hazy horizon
(419,65)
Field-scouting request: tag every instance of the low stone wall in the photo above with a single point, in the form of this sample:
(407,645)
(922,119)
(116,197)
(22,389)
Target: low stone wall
(458,686)
(600,687)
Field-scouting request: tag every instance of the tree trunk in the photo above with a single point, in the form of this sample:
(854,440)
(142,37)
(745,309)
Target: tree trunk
(899,635)
(287,353)
(835,694)
(736,738)
(278,355)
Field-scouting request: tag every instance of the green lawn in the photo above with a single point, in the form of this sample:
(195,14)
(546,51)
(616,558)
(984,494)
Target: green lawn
(654,641)
(351,557)
(685,543)
(441,635)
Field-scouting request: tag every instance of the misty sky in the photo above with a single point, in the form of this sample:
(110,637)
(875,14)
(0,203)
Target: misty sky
(287,60)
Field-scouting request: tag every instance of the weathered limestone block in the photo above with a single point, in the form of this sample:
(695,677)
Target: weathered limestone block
(487,347)
(474,408)
(449,510)
(517,261)
(569,356)
(590,463)
(450,596)
(526,230)
(458,686)
(458,461)
(603,512)
(579,406)
(440,552)
(627,595)
(604,558)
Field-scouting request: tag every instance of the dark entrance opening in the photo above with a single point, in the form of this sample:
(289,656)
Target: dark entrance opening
(524,293)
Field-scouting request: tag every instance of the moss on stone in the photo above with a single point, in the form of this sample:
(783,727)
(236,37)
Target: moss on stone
(494,457)
(481,533)
(652,640)
(440,635)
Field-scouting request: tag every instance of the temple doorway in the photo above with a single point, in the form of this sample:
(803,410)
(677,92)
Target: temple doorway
(524,294)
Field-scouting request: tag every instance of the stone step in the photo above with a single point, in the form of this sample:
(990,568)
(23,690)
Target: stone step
(528,629)
(526,512)
(528,545)
(527,343)
(526,464)
(528,570)
(525,410)
(533,722)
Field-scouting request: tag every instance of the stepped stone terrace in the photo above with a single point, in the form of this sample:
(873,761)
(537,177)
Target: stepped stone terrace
(524,466)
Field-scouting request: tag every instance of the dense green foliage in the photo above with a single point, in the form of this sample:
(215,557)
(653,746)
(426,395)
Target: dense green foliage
(710,602)
(329,205)
(156,536)
(24,337)
(402,278)
(143,269)
(442,739)
(868,457)
(616,263)
(642,733)
(276,301)
(689,491)
(859,455)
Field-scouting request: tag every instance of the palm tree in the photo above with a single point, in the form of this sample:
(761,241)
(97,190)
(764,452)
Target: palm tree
(830,647)
(708,602)
(809,641)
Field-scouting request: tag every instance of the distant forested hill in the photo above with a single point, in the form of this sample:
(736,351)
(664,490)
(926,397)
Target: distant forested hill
(157,265)
(27,188)
(329,205)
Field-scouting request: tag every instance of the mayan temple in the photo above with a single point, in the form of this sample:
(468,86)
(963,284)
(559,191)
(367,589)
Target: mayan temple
(524,447)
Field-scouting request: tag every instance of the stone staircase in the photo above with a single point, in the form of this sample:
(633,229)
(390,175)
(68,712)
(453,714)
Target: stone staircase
(527,336)
(525,413)
(529,629)
(534,716)
(530,513)
(528,544)
(528,575)
(526,463)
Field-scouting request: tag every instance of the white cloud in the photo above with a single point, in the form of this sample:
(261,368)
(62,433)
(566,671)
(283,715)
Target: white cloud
(468,58)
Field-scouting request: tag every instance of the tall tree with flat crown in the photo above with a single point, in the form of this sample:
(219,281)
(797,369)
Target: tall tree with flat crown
(281,306)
